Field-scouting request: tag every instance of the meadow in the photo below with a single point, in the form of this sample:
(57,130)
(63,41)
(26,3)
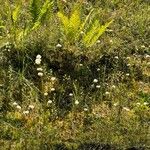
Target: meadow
(75,75)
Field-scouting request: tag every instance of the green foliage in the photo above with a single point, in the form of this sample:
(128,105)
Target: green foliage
(73,26)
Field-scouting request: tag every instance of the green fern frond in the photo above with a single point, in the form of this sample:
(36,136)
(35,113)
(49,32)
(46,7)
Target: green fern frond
(15,13)
(95,32)
(34,9)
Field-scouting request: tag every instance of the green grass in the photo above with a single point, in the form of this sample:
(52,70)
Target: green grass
(74,75)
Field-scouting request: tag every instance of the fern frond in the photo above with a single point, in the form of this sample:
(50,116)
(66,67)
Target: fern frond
(15,13)
(34,9)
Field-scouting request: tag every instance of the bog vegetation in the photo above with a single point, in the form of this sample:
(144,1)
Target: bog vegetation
(74,75)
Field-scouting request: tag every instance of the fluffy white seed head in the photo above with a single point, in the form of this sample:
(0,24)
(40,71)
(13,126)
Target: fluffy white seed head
(40,74)
(95,80)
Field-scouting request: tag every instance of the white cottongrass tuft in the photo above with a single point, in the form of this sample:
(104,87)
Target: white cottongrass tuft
(107,93)
(145,103)
(38,61)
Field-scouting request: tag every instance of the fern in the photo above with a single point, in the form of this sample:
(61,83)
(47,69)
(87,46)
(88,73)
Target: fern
(42,14)
(95,32)
(34,9)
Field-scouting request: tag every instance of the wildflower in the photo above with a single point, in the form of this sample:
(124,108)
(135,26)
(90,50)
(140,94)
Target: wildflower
(107,93)
(116,57)
(58,45)
(18,107)
(39,69)
(40,74)
(81,32)
(70,94)
(53,78)
(76,102)
(111,41)
(98,86)
(38,56)
(147,56)
(80,65)
(85,109)
(49,102)
(26,112)
(126,109)
(115,104)
(145,103)
(113,86)
(31,106)
(127,74)
(52,89)
(138,104)
(15,103)
(128,65)
(98,41)
(38,61)
(142,46)
(45,94)
(98,69)
(95,80)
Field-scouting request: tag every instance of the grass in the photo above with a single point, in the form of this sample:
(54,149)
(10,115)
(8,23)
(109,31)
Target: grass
(74,79)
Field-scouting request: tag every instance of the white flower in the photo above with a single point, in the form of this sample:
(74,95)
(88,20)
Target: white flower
(58,45)
(40,74)
(26,112)
(81,32)
(38,56)
(138,104)
(126,109)
(15,103)
(45,94)
(70,94)
(80,65)
(128,57)
(85,109)
(53,78)
(128,65)
(142,46)
(76,102)
(38,61)
(39,69)
(18,107)
(147,56)
(115,104)
(107,93)
(52,89)
(49,102)
(98,41)
(111,41)
(145,103)
(113,86)
(116,57)
(31,106)
(98,69)
(127,74)
(95,80)
(98,86)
